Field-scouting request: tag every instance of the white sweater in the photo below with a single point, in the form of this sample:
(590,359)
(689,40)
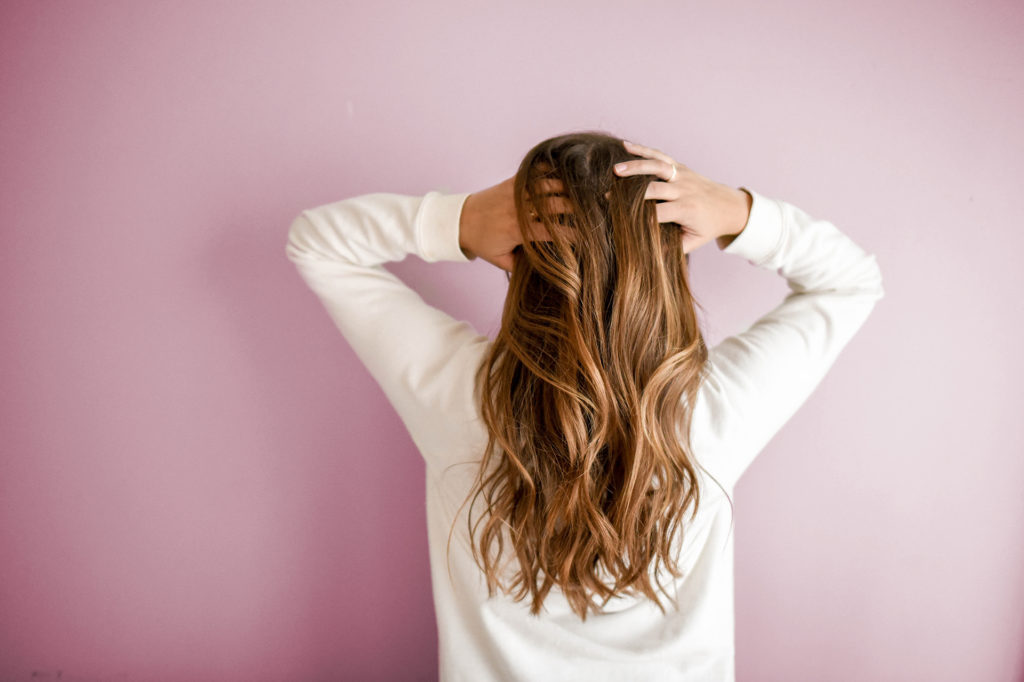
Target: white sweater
(424,361)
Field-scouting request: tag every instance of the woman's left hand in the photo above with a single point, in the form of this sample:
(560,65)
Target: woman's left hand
(489,226)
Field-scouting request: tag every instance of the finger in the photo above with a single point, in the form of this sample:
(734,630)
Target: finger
(662,191)
(651,152)
(662,212)
(538,231)
(692,242)
(550,201)
(667,212)
(689,242)
(662,169)
(562,224)
(552,198)
(552,185)
(558,212)
(552,205)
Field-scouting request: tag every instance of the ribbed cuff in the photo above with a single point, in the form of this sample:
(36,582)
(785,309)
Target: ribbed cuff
(437,227)
(762,235)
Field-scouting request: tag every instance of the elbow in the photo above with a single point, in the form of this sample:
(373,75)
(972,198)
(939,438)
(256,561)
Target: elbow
(299,243)
(876,278)
(863,281)
(865,278)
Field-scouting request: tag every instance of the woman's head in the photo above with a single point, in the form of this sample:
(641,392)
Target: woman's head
(586,391)
(567,184)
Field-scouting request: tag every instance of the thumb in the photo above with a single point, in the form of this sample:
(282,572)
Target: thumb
(692,242)
(688,243)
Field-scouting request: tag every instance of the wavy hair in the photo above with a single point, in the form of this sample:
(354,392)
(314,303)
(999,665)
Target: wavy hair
(588,387)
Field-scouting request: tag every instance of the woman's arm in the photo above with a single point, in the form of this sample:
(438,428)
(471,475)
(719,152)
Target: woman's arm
(419,355)
(759,378)
(489,227)
(724,240)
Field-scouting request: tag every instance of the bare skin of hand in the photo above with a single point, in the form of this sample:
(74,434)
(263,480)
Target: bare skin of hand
(489,226)
(706,209)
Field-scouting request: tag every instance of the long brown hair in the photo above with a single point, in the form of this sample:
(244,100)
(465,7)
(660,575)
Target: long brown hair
(588,387)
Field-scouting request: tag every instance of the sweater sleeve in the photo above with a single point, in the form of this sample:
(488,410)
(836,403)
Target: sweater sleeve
(421,357)
(757,379)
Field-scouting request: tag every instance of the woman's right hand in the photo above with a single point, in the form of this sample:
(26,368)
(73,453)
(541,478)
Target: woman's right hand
(706,209)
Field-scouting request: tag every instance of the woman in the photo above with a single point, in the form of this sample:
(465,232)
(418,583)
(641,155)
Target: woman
(578,465)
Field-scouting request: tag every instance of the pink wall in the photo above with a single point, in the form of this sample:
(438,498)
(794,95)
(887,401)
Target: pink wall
(199,481)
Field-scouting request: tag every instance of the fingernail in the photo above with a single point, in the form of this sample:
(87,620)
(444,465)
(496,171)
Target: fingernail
(619,167)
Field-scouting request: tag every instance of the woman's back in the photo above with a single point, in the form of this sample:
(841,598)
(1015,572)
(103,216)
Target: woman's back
(426,363)
(497,638)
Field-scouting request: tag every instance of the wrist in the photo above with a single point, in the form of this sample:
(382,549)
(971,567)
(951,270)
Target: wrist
(466,226)
(743,202)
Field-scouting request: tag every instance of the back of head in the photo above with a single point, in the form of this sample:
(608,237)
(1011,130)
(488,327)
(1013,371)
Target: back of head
(588,387)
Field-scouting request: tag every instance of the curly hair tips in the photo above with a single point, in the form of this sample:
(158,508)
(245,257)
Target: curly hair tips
(586,392)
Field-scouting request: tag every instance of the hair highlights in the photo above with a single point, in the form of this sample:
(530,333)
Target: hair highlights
(588,387)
